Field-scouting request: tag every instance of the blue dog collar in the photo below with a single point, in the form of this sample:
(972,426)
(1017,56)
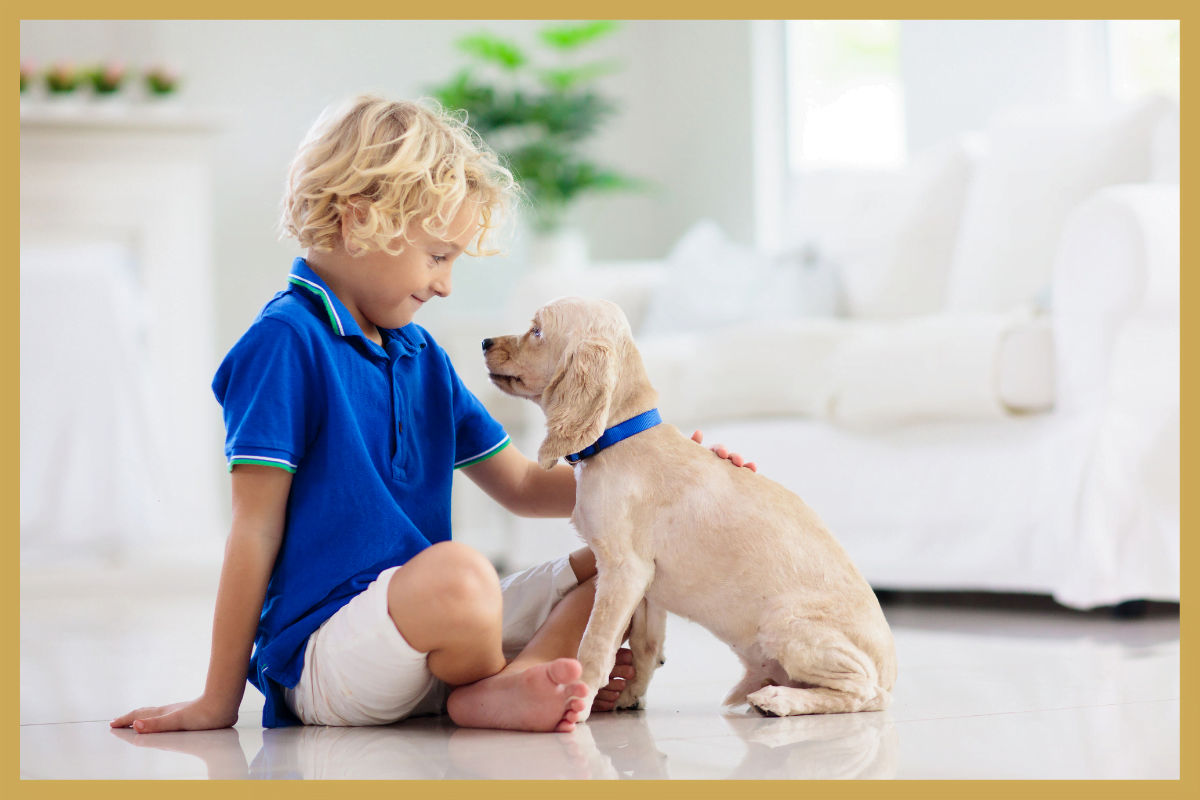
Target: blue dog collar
(618,433)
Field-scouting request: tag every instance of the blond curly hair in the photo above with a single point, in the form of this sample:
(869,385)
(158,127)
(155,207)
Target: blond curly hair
(389,164)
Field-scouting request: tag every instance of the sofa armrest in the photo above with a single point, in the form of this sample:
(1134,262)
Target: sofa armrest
(1116,297)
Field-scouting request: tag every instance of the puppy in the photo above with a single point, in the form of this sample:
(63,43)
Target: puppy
(676,529)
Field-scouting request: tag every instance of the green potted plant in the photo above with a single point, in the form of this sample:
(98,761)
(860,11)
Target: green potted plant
(538,115)
(28,73)
(62,78)
(161,81)
(107,78)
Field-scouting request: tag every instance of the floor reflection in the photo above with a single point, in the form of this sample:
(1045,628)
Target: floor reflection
(860,745)
(828,746)
(982,693)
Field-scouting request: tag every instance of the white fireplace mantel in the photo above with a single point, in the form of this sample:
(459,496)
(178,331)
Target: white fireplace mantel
(140,179)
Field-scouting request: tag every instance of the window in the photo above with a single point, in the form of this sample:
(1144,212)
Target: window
(845,97)
(1144,57)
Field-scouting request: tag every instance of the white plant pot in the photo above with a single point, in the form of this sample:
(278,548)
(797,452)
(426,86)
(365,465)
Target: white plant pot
(562,250)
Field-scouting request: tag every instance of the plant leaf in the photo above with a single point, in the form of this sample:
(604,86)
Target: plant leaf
(568,37)
(493,50)
(568,78)
(571,117)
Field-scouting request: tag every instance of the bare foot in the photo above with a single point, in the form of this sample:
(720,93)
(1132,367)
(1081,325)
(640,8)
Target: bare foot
(544,697)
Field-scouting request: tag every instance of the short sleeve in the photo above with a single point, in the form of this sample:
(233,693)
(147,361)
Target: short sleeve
(477,435)
(263,386)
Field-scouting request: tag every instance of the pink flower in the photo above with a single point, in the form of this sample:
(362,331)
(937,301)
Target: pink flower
(161,79)
(113,71)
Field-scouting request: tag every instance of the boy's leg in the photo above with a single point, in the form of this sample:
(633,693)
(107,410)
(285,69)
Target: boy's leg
(562,631)
(561,634)
(565,632)
(557,639)
(446,602)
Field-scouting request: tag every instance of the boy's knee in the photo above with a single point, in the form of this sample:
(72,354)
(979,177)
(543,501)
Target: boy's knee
(456,581)
(472,586)
(464,571)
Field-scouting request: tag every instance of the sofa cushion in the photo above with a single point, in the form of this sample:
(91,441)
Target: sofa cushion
(941,367)
(857,373)
(1040,165)
(710,281)
(629,284)
(896,260)
(754,369)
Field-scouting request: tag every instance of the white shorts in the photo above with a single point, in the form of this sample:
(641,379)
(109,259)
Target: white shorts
(359,670)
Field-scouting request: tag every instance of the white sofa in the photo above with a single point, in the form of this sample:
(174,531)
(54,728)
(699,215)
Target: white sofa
(991,410)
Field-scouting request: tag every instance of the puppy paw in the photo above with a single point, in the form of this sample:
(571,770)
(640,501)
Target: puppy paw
(770,702)
(629,701)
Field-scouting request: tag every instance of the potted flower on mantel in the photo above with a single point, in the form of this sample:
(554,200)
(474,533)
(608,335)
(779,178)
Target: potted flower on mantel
(28,73)
(62,78)
(161,81)
(107,78)
(538,119)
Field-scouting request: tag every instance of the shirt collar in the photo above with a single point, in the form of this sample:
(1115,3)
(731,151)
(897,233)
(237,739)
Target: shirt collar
(340,319)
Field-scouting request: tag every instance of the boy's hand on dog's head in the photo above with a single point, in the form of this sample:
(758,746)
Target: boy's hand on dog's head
(723,452)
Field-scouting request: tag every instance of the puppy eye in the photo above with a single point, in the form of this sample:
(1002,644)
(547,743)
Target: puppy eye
(536,332)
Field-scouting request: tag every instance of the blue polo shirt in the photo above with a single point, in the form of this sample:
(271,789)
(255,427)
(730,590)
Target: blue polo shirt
(373,435)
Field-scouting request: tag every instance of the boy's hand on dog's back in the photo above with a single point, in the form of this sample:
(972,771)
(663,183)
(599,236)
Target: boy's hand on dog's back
(194,715)
(723,452)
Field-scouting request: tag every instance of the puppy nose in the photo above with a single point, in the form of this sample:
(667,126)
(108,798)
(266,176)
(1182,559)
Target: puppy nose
(487,345)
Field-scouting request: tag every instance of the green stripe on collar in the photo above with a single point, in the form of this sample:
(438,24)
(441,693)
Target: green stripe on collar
(324,297)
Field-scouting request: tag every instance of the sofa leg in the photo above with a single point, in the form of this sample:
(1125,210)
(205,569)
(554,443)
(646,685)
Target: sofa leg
(887,596)
(1131,609)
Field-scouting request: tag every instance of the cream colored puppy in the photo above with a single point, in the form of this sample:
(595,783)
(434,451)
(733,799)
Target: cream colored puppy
(675,529)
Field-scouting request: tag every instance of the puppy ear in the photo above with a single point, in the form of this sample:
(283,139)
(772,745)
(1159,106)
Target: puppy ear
(577,400)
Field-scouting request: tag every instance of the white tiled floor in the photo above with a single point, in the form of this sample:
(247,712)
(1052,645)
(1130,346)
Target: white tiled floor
(982,694)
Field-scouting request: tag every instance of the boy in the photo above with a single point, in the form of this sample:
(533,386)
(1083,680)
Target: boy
(344,424)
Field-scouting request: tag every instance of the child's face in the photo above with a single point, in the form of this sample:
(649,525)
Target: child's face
(388,290)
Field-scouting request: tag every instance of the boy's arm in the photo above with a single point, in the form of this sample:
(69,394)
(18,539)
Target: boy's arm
(521,486)
(525,489)
(259,506)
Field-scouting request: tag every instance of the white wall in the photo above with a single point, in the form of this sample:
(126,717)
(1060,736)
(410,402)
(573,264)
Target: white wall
(958,73)
(687,126)
(685,123)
